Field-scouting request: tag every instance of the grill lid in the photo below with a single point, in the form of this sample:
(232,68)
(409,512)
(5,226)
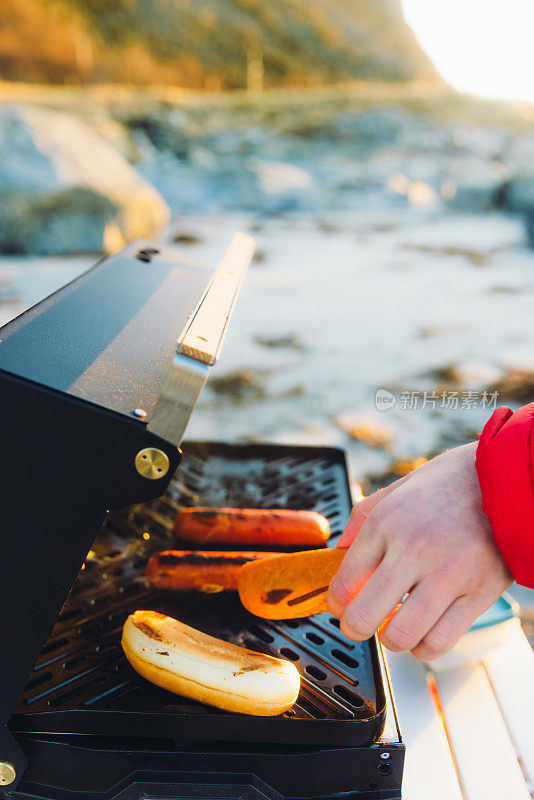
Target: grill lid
(199,346)
(136,334)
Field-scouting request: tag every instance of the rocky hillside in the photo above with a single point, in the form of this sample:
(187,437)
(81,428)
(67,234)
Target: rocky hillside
(208,43)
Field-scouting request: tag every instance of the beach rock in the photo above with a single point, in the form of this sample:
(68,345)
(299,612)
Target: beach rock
(476,191)
(66,221)
(163,131)
(517,191)
(515,385)
(517,195)
(240,385)
(365,430)
(529,227)
(64,189)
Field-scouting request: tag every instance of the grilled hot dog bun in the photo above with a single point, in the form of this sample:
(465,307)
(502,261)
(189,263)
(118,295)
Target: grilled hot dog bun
(289,585)
(185,661)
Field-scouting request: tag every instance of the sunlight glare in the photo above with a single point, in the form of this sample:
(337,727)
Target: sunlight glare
(480,46)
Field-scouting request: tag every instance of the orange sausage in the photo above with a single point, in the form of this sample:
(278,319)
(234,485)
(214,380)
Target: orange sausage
(206,571)
(289,585)
(250,526)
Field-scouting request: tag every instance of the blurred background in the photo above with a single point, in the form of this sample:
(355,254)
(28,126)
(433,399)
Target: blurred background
(382,154)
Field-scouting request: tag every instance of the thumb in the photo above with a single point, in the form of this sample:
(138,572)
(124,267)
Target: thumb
(362,509)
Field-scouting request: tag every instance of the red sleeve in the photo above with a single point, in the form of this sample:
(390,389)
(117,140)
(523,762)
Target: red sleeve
(504,465)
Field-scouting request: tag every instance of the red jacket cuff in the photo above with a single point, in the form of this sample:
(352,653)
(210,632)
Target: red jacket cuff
(504,464)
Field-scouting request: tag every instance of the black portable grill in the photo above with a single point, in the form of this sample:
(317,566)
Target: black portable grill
(97,384)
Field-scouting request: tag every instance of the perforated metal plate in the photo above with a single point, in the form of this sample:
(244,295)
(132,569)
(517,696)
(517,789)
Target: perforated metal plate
(83,684)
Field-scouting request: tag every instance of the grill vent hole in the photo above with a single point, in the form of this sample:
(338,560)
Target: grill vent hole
(313,637)
(69,613)
(43,677)
(72,662)
(55,644)
(311,708)
(292,623)
(61,698)
(335,622)
(131,588)
(88,584)
(349,697)
(316,673)
(124,699)
(261,634)
(345,659)
(288,653)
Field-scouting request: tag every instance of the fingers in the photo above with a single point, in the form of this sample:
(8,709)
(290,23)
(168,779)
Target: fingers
(381,593)
(361,511)
(427,603)
(453,624)
(361,560)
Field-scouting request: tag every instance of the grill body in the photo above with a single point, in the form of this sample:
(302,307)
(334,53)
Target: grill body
(148,743)
(106,370)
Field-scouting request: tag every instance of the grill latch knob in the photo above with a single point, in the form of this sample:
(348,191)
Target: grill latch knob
(152,463)
(7,773)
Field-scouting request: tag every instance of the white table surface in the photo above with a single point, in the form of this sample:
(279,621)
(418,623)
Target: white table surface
(480,746)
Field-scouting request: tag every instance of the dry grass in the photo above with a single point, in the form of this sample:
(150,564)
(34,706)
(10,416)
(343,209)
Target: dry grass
(295,110)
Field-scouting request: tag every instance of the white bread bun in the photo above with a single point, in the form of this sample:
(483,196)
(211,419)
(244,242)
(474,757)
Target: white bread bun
(185,661)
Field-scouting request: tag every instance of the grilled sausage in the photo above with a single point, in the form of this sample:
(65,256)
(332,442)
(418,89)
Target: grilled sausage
(207,571)
(185,661)
(290,585)
(252,526)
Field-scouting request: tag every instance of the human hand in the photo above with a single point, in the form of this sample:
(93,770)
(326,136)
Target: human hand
(425,534)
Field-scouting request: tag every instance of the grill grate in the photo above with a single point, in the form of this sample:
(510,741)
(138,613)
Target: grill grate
(82,681)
